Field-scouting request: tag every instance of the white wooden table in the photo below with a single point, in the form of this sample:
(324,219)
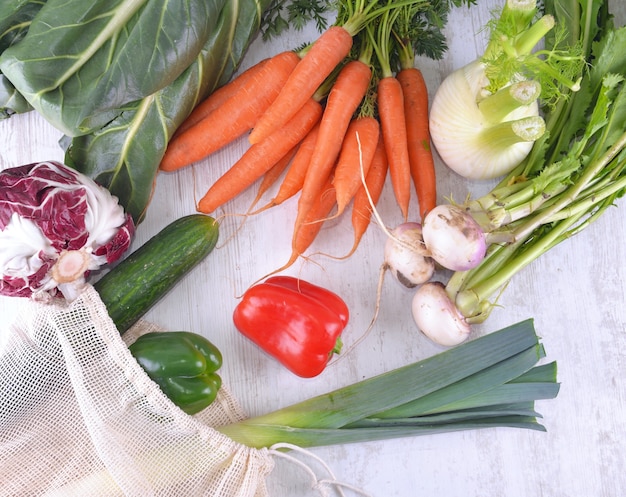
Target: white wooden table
(575,293)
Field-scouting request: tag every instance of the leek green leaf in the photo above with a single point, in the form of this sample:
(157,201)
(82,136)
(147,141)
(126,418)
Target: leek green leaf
(487,382)
(445,399)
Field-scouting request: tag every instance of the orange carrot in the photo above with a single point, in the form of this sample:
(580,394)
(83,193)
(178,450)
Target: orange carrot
(357,152)
(393,125)
(331,47)
(293,180)
(322,206)
(343,100)
(271,176)
(362,206)
(233,118)
(420,151)
(259,158)
(218,97)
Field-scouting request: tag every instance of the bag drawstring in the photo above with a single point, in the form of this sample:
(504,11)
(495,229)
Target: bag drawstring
(322,485)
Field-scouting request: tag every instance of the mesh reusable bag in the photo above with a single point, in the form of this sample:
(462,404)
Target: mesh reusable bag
(79,417)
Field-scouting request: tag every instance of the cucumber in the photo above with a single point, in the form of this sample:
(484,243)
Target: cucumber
(132,287)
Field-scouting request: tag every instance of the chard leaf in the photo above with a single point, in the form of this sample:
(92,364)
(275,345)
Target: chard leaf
(15,19)
(11,101)
(81,61)
(124,155)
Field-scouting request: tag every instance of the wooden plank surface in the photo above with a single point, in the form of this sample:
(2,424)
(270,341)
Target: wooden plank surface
(575,293)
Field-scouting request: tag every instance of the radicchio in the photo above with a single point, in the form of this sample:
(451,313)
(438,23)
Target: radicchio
(56,225)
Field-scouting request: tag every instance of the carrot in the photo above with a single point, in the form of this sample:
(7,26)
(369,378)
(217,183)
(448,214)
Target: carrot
(368,194)
(293,180)
(418,134)
(260,158)
(312,224)
(393,126)
(331,47)
(271,176)
(233,118)
(357,152)
(343,100)
(219,96)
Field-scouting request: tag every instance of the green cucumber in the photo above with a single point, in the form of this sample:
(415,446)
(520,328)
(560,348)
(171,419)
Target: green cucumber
(132,287)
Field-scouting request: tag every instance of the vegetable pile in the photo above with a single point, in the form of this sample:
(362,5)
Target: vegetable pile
(108,74)
(332,122)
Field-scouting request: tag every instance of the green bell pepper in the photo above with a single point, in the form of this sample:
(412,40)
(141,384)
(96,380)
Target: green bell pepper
(183,364)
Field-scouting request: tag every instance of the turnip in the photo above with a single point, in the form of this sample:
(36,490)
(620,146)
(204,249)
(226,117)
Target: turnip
(437,317)
(406,256)
(453,237)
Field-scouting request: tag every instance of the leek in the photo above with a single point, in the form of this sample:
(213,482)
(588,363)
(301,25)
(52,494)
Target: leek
(491,381)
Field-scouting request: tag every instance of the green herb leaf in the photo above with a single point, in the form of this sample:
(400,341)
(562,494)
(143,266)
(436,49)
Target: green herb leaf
(282,15)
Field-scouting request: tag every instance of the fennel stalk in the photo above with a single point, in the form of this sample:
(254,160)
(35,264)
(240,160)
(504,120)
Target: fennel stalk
(572,175)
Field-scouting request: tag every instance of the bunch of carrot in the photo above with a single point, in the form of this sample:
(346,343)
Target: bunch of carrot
(332,121)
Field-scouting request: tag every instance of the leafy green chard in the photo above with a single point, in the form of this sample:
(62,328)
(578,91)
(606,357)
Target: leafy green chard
(124,155)
(15,20)
(572,175)
(79,64)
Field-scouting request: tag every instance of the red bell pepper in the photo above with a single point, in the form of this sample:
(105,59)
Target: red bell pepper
(296,322)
